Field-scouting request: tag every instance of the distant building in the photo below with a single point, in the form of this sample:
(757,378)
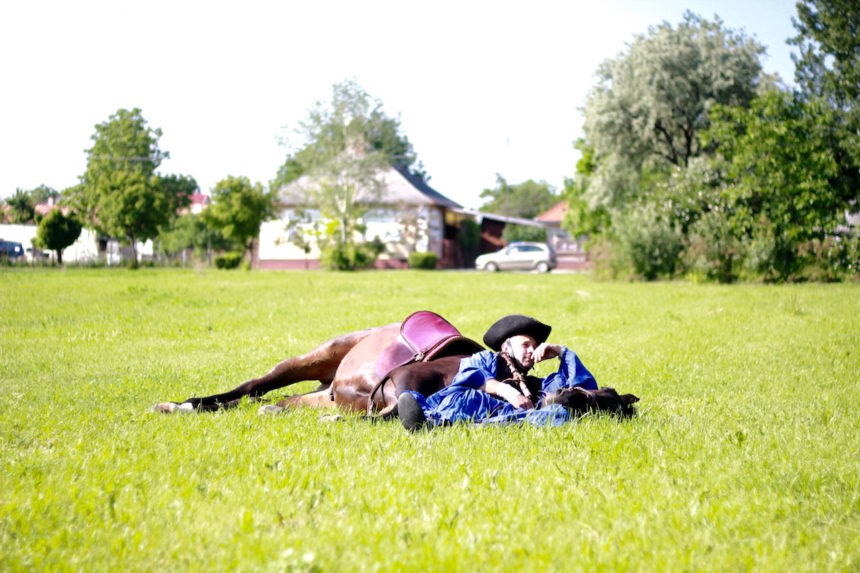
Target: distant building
(199,202)
(408,216)
(569,250)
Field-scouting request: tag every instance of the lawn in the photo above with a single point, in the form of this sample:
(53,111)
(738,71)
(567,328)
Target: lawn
(744,454)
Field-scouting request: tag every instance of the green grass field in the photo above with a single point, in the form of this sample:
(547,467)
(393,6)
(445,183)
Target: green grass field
(744,454)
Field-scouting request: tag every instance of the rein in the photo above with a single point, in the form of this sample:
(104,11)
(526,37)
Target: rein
(518,376)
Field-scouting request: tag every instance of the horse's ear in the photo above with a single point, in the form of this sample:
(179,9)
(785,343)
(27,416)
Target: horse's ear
(628,399)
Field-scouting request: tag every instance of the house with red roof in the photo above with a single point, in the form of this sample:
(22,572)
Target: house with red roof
(569,250)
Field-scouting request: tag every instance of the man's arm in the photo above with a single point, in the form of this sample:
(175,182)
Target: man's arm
(508,393)
(571,372)
(546,351)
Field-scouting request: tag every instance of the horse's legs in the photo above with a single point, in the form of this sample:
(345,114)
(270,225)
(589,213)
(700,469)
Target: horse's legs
(319,364)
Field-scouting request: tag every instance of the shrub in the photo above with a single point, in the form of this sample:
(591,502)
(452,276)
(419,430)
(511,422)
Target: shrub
(772,254)
(713,251)
(57,231)
(425,261)
(228,260)
(647,244)
(347,257)
(830,259)
(604,255)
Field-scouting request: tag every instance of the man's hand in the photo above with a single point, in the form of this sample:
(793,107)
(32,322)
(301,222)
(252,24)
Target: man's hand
(546,351)
(521,402)
(507,393)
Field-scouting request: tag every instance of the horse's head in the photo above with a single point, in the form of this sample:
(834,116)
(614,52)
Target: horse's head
(578,401)
(608,400)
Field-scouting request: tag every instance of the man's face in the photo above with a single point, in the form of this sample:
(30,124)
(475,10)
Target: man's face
(521,348)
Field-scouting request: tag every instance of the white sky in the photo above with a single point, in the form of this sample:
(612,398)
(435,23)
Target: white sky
(480,87)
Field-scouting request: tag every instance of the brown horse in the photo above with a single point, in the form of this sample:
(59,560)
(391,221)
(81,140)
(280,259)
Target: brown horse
(346,370)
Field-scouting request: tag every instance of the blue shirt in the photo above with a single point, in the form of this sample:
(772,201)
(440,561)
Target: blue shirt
(464,400)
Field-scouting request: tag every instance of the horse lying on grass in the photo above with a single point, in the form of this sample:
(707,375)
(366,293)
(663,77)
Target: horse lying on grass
(367,370)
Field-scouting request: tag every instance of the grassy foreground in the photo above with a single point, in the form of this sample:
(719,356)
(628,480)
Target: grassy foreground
(744,455)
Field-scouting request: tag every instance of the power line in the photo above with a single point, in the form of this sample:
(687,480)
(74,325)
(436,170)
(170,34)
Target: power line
(119,158)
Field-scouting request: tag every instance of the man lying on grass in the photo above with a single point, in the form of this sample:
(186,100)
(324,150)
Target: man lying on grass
(372,368)
(494,386)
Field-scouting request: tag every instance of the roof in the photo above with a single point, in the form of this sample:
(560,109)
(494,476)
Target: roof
(398,187)
(480,215)
(554,214)
(200,199)
(435,196)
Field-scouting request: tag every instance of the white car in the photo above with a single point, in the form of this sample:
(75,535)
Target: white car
(519,256)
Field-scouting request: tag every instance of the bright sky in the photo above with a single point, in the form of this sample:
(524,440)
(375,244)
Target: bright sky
(480,87)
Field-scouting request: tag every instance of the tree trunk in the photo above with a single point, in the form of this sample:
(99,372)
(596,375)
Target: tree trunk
(133,252)
(60,257)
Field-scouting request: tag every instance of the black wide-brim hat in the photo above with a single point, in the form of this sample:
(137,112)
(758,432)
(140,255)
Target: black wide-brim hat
(515,324)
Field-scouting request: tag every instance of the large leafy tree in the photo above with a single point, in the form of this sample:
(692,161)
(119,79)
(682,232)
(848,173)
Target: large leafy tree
(828,70)
(238,209)
(527,199)
(341,160)
(121,195)
(646,113)
(779,170)
(828,37)
(379,133)
(58,231)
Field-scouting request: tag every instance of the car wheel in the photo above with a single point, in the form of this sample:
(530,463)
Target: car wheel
(492,267)
(543,267)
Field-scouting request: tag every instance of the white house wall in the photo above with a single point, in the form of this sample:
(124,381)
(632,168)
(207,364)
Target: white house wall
(275,243)
(387,224)
(84,250)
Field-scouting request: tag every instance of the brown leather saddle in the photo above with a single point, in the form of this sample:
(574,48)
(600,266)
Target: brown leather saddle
(424,336)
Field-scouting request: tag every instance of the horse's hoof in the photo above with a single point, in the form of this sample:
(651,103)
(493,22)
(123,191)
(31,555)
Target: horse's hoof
(269,409)
(331,418)
(173,408)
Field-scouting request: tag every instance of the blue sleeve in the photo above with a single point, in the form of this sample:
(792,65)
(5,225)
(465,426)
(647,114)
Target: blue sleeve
(475,370)
(571,372)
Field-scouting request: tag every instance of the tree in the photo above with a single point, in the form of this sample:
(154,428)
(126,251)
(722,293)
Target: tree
(21,207)
(779,174)
(380,134)
(582,218)
(342,163)
(57,231)
(121,195)
(190,231)
(177,190)
(828,70)
(828,37)
(238,209)
(513,233)
(651,103)
(43,194)
(526,200)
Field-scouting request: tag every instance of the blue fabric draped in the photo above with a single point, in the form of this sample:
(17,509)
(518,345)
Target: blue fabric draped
(464,401)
